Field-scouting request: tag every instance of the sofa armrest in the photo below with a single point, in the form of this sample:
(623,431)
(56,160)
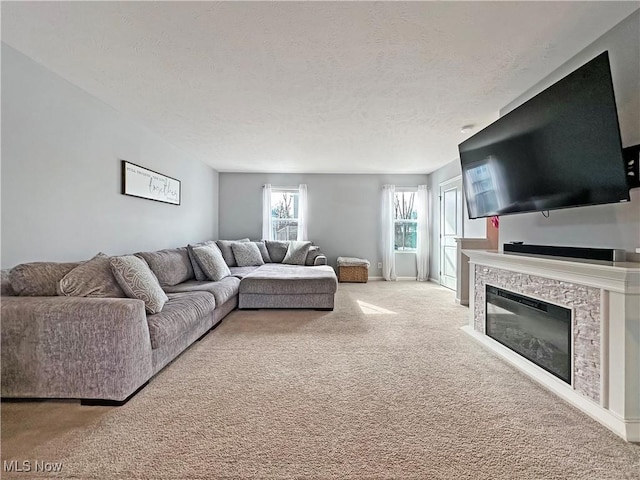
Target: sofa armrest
(320,260)
(72,347)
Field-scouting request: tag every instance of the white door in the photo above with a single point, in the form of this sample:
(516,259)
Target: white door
(450,228)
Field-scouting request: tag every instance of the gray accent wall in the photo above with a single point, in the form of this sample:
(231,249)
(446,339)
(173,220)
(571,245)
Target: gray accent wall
(61,175)
(602,226)
(344,212)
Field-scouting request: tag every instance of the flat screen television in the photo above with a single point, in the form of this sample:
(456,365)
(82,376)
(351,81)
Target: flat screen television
(559,149)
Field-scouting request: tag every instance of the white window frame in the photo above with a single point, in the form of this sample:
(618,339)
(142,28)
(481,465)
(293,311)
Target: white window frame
(275,220)
(396,221)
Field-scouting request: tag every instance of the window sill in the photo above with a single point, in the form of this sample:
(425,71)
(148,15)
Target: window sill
(405,251)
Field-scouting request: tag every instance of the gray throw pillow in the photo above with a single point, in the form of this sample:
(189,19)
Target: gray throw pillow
(138,281)
(212,263)
(227,252)
(247,254)
(197,271)
(92,278)
(277,250)
(38,279)
(263,251)
(6,284)
(297,253)
(171,266)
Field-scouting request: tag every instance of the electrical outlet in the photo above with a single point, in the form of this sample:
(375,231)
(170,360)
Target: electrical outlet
(379,264)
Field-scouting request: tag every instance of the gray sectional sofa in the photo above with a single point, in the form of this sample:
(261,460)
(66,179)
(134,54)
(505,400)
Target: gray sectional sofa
(68,335)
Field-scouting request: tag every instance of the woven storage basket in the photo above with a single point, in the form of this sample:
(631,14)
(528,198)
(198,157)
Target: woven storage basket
(359,274)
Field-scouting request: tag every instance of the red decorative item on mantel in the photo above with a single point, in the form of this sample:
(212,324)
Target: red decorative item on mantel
(495,221)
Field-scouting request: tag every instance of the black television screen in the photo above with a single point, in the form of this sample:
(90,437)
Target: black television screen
(559,149)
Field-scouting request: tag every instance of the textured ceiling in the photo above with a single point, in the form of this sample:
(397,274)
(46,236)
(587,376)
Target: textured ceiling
(347,87)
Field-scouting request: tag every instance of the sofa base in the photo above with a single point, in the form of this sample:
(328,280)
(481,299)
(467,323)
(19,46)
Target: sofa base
(116,403)
(317,301)
(83,401)
(223,310)
(111,403)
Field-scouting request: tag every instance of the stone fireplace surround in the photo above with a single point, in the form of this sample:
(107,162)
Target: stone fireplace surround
(604,298)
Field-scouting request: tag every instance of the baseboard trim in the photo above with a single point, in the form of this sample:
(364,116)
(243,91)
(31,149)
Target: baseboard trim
(404,279)
(398,279)
(629,430)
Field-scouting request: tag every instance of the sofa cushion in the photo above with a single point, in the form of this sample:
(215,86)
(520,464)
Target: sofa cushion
(6,289)
(170,266)
(182,313)
(92,278)
(297,253)
(138,281)
(221,291)
(263,251)
(277,250)
(39,279)
(281,279)
(227,252)
(197,271)
(247,254)
(241,272)
(210,260)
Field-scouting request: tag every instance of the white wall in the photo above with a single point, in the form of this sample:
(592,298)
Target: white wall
(61,175)
(344,212)
(476,228)
(604,226)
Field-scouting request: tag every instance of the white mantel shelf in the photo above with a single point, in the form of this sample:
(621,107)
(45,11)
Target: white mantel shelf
(609,292)
(622,277)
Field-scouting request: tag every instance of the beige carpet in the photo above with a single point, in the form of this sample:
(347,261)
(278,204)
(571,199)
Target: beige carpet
(343,394)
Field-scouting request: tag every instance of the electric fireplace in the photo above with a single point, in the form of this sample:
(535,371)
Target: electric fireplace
(576,319)
(537,330)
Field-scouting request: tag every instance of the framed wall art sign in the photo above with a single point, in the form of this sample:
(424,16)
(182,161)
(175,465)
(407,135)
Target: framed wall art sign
(141,182)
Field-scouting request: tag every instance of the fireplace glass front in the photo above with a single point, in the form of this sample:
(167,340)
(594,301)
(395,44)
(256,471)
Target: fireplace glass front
(538,331)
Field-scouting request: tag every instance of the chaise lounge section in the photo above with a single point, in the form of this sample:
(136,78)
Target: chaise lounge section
(289,286)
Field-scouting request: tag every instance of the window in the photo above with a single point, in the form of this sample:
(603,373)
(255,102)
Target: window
(284,213)
(406,221)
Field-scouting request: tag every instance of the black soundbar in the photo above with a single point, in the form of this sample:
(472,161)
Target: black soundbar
(605,254)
